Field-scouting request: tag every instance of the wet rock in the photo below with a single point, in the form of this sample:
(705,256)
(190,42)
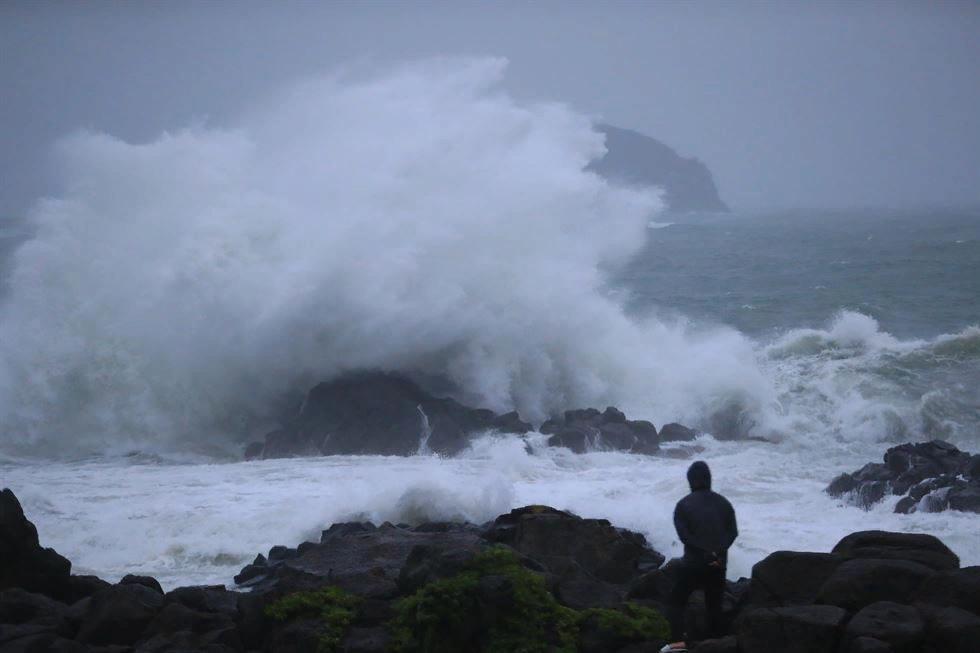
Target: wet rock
(862,581)
(915,547)
(779,629)
(958,588)
(928,476)
(900,626)
(590,430)
(791,577)
(950,630)
(24,562)
(145,581)
(119,614)
(674,432)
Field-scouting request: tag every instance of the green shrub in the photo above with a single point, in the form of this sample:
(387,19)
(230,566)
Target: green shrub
(448,615)
(333,606)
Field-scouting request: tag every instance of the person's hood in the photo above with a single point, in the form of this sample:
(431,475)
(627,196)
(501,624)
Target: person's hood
(699,476)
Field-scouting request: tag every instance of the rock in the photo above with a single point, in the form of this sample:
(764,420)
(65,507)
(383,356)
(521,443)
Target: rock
(23,562)
(428,562)
(373,412)
(950,630)
(43,643)
(592,561)
(901,626)
(175,618)
(860,582)
(727,644)
(589,430)
(145,581)
(790,629)
(119,614)
(366,640)
(675,432)
(607,553)
(868,645)
(636,159)
(791,577)
(254,450)
(202,598)
(80,587)
(366,563)
(929,476)
(915,547)
(954,587)
(19,606)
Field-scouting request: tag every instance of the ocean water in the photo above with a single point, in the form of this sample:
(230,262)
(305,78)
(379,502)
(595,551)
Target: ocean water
(164,306)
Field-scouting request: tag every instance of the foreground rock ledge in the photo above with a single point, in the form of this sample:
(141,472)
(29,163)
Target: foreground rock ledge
(534,579)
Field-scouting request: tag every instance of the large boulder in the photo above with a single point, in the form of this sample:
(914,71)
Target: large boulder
(958,588)
(901,626)
(928,476)
(949,630)
(790,629)
(862,581)
(24,562)
(791,577)
(915,547)
(373,412)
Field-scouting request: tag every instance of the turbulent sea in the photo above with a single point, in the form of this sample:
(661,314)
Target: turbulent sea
(159,309)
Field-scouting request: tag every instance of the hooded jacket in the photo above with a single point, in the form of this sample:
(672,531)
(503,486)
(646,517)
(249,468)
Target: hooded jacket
(705,520)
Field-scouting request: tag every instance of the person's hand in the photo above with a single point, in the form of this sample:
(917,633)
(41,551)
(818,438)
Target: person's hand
(715,560)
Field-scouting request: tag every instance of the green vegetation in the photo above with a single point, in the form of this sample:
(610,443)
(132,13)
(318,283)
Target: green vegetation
(629,622)
(332,605)
(496,605)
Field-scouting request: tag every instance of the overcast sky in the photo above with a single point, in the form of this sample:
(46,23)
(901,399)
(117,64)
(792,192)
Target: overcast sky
(791,104)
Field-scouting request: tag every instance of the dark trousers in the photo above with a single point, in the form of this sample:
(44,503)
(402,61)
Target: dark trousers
(688,579)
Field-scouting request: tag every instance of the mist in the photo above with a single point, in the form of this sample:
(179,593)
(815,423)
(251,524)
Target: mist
(819,106)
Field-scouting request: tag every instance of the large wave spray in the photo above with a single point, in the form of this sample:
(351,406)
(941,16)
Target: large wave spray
(422,220)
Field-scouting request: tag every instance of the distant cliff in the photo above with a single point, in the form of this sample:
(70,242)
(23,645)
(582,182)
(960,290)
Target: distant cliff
(635,158)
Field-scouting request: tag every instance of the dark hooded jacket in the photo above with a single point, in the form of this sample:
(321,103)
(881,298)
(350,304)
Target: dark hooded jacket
(705,520)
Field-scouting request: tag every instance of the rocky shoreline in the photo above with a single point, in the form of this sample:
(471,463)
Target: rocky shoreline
(534,579)
(386,413)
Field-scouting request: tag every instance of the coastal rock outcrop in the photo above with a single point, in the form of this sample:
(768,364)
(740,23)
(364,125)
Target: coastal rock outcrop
(588,430)
(928,476)
(382,413)
(635,158)
(533,579)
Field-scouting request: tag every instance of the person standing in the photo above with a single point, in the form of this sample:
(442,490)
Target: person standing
(705,523)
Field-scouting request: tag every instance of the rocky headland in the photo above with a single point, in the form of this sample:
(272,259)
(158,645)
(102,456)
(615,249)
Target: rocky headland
(534,579)
(637,159)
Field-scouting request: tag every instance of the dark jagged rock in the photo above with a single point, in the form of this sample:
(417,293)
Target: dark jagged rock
(389,414)
(634,158)
(589,430)
(928,476)
(380,413)
(23,562)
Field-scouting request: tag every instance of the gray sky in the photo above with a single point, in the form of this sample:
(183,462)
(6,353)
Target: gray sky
(791,104)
